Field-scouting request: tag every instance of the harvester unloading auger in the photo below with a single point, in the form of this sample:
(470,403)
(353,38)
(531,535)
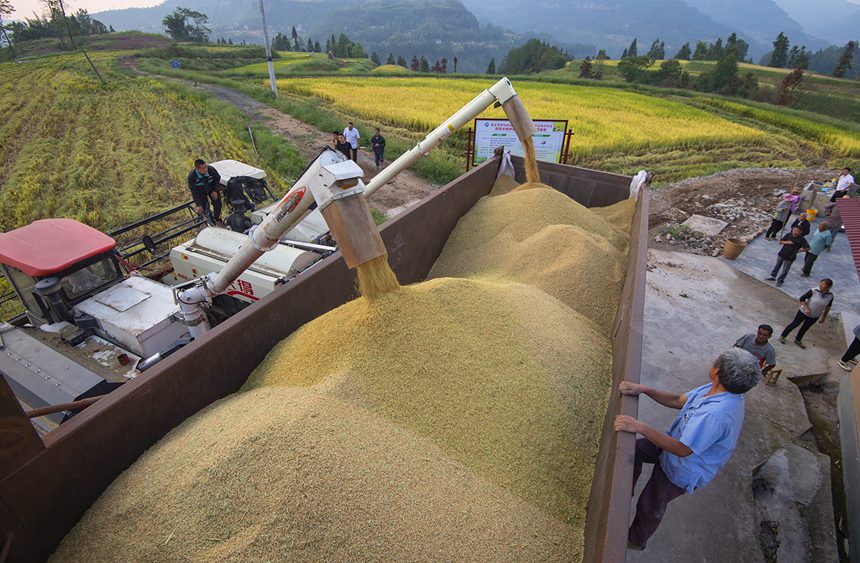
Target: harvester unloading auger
(335,185)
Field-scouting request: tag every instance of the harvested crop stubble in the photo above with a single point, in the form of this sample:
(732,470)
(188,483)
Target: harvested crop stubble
(503,378)
(281,474)
(542,238)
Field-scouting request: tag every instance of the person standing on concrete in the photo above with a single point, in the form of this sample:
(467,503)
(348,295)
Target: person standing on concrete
(784,209)
(352,137)
(802,223)
(792,243)
(843,183)
(834,219)
(848,360)
(696,446)
(815,304)
(377,142)
(204,183)
(757,344)
(820,240)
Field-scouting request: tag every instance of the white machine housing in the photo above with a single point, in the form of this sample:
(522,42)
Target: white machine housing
(228,169)
(213,247)
(137,314)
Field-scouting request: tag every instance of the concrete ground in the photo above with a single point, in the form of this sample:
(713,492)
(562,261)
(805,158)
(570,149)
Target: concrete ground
(759,258)
(696,307)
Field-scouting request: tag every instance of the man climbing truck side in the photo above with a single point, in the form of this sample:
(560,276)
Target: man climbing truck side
(203,182)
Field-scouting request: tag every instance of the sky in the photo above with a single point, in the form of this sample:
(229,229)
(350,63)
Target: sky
(25,8)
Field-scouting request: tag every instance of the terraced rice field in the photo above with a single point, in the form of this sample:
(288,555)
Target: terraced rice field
(615,129)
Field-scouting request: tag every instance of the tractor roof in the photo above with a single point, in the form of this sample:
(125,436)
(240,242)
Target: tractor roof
(49,246)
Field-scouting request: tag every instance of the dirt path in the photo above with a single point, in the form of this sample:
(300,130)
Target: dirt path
(393,198)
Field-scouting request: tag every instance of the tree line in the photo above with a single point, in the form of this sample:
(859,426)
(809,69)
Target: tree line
(53,24)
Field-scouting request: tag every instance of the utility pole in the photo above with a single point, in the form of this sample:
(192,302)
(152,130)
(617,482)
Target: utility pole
(268,51)
(80,46)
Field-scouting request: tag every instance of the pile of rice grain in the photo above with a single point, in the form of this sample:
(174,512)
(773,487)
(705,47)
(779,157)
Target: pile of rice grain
(458,418)
(282,474)
(542,238)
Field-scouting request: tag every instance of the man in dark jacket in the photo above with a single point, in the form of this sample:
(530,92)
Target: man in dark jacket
(343,145)
(204,183)
(802,223)
(378,144)
(791,244)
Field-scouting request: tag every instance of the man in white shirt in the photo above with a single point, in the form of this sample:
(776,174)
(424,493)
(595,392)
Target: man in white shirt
(845,181)
(352,137)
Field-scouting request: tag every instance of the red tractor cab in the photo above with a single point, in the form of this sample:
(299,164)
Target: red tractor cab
(54,264)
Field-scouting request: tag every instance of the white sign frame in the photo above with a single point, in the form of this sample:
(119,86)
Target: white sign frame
(492,133)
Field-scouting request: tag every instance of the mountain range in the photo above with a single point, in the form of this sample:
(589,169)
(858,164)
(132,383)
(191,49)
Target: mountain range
(486,29)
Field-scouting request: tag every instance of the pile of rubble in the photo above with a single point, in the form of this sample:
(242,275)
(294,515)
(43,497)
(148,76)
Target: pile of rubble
(687,215)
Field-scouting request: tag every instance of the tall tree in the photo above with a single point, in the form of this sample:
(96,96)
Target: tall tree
(456,60)
(187,25)
(310,47)
(390,60)
(657,50)
(491,68)
(738,46)
(701,52)
(684,52)
(632,50)
(6,10)
(724,79)
(317,47)
(414,65)
(401,61)
(789,86)
(375,58)
(803,58)
(779,56)
(424,66)
(601,55)
(844,64)
(716,50)
(294,34)
(585,68)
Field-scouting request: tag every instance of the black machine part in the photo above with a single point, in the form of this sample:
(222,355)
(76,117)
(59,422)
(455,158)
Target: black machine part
(51,290)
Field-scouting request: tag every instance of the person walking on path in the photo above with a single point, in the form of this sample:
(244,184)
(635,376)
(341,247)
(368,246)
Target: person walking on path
(843,183)
(792,243)
(697,445)
(757,344)
(815,304)
(204,183)
(377,142)
(352,136)
(785,208)
(820,240)
(848,358)
(343,146)
(802,223)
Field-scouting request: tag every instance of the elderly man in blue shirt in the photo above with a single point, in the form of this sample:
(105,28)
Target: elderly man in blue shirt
(696,446)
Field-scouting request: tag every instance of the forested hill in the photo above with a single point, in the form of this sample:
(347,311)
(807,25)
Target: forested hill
(612,24)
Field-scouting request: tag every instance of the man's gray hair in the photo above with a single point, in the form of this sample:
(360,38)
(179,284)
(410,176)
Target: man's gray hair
(739,370)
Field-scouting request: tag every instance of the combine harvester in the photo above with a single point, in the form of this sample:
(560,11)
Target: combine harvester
(47,483)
